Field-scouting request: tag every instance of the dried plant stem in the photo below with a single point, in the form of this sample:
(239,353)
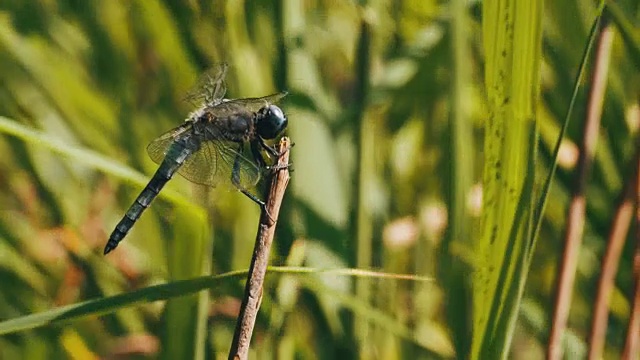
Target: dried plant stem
(621,223)
(632,343)
(577,208)
(257,270)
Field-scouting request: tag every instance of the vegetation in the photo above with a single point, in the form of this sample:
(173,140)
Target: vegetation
(406,116)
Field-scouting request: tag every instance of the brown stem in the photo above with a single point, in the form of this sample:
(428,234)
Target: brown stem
(621,223)
(577,208)
(632,344)
(257,270)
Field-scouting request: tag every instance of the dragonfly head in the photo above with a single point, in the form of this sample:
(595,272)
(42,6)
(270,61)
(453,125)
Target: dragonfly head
(270,122)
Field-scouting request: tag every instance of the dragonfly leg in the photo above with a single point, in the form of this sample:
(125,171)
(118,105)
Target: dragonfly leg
(255,149)
(279,167)
(257,155)
(235,179)
(255,199)
(272,149)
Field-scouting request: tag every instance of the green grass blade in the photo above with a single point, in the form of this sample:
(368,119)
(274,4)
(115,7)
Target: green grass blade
(167,291)
(186,317)
(110,304)
(512,38)
(542,202)
(86,157)
(453,269)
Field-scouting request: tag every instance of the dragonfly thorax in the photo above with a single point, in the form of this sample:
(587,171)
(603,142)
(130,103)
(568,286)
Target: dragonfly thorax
(270,122)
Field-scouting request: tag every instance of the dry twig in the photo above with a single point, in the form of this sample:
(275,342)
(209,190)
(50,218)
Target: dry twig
(257,270)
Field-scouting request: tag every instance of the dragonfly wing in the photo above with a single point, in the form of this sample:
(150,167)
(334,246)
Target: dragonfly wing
(213,164)
(233,163)
(210,87)
(158,148)
(199,167)
(249,104)
(202,166)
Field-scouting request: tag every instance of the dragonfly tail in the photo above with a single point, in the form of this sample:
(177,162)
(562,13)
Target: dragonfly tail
(142,202)
(175,157)
(125,225)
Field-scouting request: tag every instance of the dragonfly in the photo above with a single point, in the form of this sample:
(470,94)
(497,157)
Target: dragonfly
(221,142)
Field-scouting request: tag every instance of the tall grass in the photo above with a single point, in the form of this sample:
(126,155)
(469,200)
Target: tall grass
(403,114)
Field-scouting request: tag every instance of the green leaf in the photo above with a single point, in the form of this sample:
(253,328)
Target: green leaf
(512,37)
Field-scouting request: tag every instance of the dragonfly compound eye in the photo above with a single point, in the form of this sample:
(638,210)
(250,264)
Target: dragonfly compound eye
(271,122)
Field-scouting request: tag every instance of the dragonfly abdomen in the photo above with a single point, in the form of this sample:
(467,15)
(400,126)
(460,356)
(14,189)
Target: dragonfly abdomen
(176,155)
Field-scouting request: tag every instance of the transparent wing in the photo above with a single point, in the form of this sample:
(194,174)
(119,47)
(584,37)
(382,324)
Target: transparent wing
(249,104)
(202,166)
(157,149)
(210,87)
(233,163)
(212,164)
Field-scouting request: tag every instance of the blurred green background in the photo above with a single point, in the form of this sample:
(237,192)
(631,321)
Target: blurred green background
(88,84)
